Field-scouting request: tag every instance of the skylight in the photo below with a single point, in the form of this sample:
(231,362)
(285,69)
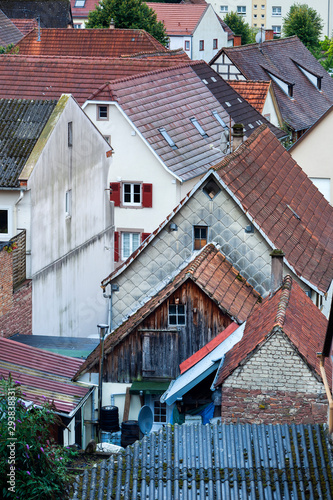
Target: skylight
(166,136)
(219,119)
(198,127)
(79,3)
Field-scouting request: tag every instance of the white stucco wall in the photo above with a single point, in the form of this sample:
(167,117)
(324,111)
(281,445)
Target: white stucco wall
(208,28)
(70,254)
(8,199)
(270,110)
(314,153)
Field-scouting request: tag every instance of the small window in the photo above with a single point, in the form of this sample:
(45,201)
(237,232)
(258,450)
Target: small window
(68,203)
(160,411)
(77,26)
(263,16)
(262,25)
(177,314)
(200,237)
(4,222)
(166,136)
(276,11)
(277,31)
(255,16)
(131,194)
(214,43)
(255,25)
(201,44)
(255,6)
(107,138)
(187,45)
(224,9)
(79,3)
(70,134)
(211,189)
(241,10)
(129,243)
(262,6)
(102,112)
(198,127)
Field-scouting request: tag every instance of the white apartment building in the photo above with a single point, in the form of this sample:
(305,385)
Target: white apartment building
(270,13)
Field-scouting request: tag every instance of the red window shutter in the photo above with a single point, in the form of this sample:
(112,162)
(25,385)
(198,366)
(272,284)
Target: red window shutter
(116,246)
(144,236)
(147,195)
(115,193)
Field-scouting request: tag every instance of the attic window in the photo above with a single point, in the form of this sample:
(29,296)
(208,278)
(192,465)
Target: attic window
(177,314)
(285,86)
(200,237)
(79,3)
(166,136)
(314,79)
(211,189)
(198,127)
(219,119)
(228,104)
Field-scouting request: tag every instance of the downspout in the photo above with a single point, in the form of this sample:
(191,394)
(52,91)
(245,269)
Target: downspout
(16,203)
(328,392)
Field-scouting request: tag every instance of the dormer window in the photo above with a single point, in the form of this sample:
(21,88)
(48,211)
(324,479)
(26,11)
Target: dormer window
(314,79)
(288,88)
(198,127)
(166,136)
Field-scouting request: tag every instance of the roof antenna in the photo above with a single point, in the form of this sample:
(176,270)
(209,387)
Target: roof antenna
(38,21)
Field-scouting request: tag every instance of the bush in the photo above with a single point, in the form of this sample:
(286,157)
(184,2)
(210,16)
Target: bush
(32,467)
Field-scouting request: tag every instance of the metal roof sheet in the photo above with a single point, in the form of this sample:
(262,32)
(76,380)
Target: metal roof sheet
(219,461)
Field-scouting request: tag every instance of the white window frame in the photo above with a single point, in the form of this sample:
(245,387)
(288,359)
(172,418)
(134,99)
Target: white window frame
(277,32)
(76,6)
(224,9)
(99,117)
(276,11)
(131,203)
(241,10)
(8,235)
(187,45)
(68,203)
(132,246)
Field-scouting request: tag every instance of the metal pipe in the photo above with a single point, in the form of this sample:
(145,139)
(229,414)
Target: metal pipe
(102,332)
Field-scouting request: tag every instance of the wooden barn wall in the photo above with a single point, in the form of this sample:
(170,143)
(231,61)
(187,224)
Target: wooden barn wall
(155,349)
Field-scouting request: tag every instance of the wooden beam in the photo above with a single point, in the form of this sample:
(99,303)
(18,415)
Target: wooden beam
(127,404)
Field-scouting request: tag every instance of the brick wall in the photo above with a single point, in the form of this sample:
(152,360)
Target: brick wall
(6,282)
(274,386)
(18,319)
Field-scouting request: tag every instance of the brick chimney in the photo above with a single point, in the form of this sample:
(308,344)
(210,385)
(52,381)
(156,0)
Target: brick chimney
(237,40)
(269,34)
(237,135)
(276,269)
(112,25)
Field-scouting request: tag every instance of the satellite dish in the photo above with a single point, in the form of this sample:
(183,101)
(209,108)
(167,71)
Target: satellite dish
(224,141)
(260,36)
(145,419)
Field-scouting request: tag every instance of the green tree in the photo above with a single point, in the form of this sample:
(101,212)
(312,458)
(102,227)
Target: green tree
(304,22)
(31,465)
(240,27)
(129,14)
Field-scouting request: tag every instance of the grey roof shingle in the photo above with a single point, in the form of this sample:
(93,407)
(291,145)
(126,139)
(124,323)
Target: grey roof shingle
(21,123)
(217,462)
(9,33)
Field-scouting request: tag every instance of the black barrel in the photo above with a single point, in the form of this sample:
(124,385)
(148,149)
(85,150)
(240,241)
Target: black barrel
(109,420)
(130,432)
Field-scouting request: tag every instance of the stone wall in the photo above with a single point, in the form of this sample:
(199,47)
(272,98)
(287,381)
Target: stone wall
(274,386)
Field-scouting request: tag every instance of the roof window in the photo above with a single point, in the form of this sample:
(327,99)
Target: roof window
(219,119)
(228,104)
(288,88)
(79,3)
(166,136)
(314,79)
(198,127)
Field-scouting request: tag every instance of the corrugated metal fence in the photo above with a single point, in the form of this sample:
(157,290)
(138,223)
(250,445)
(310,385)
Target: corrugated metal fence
(226,462)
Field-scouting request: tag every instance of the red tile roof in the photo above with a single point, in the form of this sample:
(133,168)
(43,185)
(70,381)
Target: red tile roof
(48,77)
(214,275)
(42,373)
(294,312)
(283,58)
(82,12)
(179,19)
(199,355)
(25,25)
(284,204)
(89,43)
(254,92)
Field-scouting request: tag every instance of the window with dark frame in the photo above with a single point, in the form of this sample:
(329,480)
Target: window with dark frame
(70,134)
(187,45)
(200,237)
(4,226)
(201,44)
(102,112)
(214,43)
(131,194)
(160,411)
(177,315)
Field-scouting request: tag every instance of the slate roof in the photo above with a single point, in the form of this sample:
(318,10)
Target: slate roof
(52,13)
(9,33)
(89,43)
(178,18)
(295,313)
(42,373)
(254,92)
(48,77)
(214,275)
(169,99)
(284,204)
(82,12)
(281,58)
(216,461)
(25,25)
(21,122)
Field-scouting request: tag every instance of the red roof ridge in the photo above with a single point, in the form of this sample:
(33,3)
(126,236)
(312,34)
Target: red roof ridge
(266,42)
(99,90)
(284,300)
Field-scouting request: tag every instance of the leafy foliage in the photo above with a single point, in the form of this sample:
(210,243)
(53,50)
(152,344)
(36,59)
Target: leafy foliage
(128,14)
(35,466)
(240,27)
(304,22)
